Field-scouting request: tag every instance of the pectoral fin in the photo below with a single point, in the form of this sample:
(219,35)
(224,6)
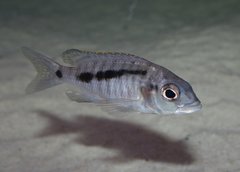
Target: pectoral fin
(149,95)
(148,91)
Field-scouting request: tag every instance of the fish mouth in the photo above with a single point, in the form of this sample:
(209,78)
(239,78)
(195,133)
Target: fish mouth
(189,108)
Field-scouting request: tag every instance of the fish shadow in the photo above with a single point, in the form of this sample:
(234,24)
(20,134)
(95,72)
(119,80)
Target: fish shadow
(130,141)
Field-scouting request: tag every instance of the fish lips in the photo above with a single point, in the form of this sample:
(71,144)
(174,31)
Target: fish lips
(189,108)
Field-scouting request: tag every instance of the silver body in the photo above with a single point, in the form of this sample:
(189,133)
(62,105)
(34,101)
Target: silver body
(124,87)
(121,81)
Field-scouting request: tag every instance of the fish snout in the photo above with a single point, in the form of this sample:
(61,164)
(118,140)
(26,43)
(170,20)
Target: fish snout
(189,108)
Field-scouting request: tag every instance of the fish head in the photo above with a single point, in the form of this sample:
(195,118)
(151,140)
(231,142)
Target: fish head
(176,96)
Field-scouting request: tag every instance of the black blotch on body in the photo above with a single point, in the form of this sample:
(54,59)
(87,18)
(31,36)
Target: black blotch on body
(109,74)
(85,77)
(59,74)
(136,72)
(99,75)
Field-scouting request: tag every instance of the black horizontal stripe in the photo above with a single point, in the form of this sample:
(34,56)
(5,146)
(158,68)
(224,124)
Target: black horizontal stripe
(108,74)
(85,77)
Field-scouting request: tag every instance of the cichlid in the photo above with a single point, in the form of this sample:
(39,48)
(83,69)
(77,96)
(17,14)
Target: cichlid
(120,81)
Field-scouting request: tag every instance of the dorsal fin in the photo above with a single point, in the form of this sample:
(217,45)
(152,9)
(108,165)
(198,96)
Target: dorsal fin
(72,56)
(75,56)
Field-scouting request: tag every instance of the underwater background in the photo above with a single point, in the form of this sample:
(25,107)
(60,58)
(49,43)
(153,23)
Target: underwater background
(46,132)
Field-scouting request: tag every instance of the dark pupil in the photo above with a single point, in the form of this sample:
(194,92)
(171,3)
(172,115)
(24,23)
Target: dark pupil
(170,94)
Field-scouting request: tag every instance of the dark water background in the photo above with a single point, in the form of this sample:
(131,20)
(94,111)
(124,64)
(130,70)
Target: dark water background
(121,24)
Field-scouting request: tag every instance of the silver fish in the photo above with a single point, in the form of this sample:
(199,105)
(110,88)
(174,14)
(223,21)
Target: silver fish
(116,81)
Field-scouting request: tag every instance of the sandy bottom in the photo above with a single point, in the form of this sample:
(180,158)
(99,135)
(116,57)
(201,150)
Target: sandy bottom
(46,132)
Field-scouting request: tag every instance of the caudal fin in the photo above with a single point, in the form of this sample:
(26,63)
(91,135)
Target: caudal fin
(46,68)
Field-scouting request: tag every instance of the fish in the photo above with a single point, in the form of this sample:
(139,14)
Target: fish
(115,81)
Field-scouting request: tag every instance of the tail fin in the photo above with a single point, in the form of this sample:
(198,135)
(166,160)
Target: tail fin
(46,68)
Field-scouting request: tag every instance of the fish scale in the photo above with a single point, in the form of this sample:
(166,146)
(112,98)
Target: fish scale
(123,81)
(102,86)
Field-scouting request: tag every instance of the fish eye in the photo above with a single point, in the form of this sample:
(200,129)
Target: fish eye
(170,92)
